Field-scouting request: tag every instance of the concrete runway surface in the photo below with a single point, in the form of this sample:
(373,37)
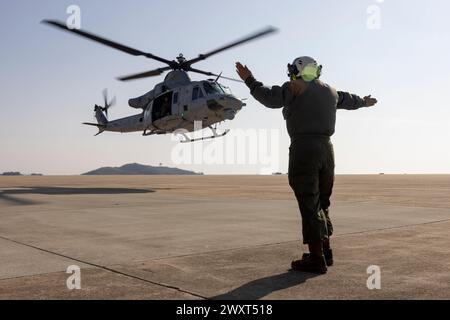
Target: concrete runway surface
(222,237)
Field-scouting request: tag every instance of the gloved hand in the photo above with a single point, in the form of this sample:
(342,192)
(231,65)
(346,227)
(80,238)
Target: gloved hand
(243,71)
(369,101)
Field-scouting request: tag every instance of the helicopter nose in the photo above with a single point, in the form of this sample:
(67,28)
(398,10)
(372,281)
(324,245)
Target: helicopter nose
(231,102)
(231,106)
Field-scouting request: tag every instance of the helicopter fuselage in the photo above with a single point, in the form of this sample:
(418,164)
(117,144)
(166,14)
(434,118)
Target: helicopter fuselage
(179,108)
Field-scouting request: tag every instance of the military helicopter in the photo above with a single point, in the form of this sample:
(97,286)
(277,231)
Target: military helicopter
(177,104)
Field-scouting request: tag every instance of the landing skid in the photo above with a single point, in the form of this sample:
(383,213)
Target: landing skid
(214,131)
(152,132)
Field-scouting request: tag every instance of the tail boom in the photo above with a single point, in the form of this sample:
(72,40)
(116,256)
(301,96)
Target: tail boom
(101,127)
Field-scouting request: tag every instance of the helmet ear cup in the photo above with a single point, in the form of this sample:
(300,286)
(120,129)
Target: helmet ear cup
(319,71)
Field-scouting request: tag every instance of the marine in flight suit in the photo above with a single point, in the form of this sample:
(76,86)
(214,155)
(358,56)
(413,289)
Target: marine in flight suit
(309,108)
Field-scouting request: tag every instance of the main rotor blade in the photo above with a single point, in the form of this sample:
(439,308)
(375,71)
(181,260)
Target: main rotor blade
(212,74)
(146,74)
(251,37)
(106,42)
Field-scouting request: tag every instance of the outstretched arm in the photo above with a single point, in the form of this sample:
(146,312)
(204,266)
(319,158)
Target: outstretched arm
(275,97)
(350,101)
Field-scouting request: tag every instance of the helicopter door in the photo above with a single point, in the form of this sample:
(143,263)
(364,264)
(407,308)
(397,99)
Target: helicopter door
(197,93)
(196,100)
(162,106)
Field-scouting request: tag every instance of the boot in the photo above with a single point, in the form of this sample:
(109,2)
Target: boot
(311,263)
(327,252)
(314,262)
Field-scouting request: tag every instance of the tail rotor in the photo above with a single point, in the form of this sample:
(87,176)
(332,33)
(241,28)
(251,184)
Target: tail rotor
(106,104)
(102,118)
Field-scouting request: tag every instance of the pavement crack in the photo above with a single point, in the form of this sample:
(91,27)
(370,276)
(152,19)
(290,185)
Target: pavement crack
(107,269)
(292,241)
(393,228)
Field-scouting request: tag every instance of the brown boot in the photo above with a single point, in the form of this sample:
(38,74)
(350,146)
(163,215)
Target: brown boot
(327,252)
(314,262)
(310,263)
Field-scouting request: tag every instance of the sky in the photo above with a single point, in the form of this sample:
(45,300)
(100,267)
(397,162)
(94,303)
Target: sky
(50,80)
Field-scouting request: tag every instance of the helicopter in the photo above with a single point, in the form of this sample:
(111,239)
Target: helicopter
(177,104)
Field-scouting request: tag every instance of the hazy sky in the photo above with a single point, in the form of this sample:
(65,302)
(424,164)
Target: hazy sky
(50,80)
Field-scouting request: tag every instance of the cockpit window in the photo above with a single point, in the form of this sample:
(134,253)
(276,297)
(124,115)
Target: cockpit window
(225,89)
(212,88)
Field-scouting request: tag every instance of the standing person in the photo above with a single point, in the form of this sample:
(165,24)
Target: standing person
(309,108)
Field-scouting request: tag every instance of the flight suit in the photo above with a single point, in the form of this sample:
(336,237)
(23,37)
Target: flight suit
(310,121)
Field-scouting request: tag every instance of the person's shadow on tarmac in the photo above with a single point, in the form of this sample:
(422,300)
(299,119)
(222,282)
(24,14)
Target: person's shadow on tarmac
(260,288)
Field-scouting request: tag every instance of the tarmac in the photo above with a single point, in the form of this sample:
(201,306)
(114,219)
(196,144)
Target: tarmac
(219,237)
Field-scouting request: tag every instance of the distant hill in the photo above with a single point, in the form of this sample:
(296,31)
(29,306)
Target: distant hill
(11,174)
(139,169)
